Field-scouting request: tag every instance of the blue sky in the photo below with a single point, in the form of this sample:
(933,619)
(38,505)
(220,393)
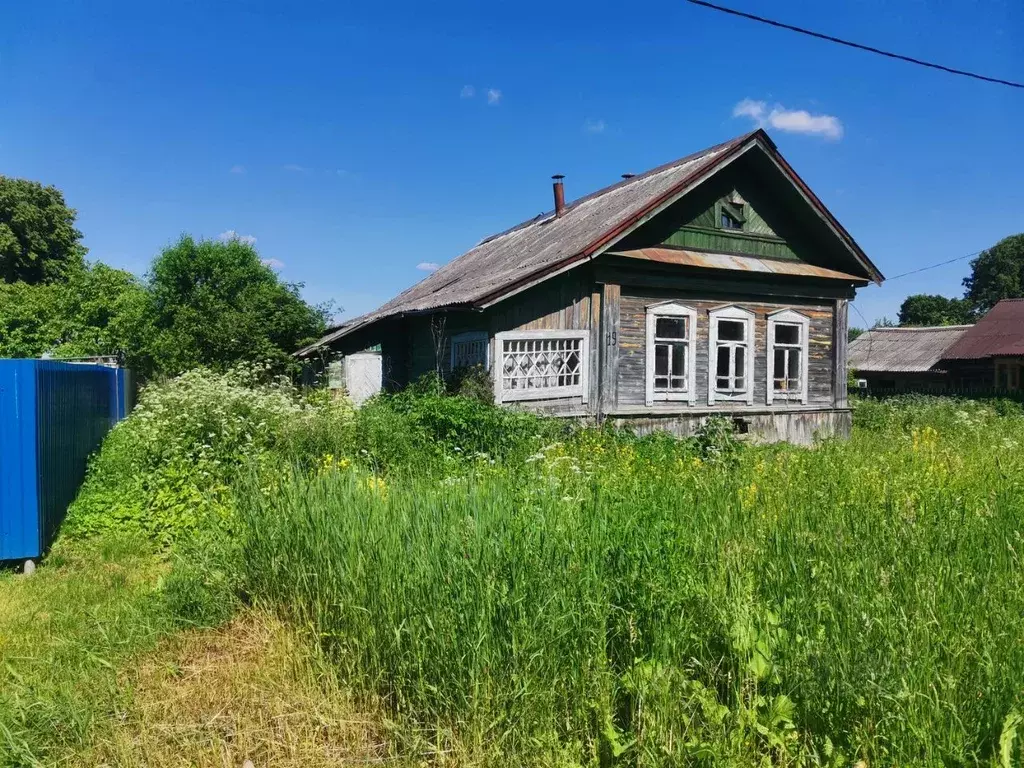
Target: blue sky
(356,141)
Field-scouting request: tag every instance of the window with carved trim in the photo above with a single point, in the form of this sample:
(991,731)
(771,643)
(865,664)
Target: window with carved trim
(470,349)
(787,363)
(537,365)
(730,358)
(671,364)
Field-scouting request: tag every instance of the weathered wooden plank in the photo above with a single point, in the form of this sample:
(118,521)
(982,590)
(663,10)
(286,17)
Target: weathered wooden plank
(839,344)
(609,355)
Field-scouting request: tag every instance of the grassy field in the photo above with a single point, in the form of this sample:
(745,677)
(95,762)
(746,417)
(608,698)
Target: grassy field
(432,581)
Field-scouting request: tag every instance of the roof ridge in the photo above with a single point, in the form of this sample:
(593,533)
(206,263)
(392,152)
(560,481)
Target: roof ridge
(919,327)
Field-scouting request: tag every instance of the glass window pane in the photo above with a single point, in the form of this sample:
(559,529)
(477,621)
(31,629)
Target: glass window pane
(670,327)
(787,334)
(678,359)
(660,382)
(741,353)
(793,371)
(722,368)
(678,382)
(732,330)
(780,363)
(723,383)
(660,359)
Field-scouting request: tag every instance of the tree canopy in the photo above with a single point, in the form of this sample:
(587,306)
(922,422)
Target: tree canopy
(213,303)
(997,273)
(96,310)
(927,309)
(38,239)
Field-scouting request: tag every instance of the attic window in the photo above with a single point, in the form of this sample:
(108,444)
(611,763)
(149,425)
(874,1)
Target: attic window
(730,215)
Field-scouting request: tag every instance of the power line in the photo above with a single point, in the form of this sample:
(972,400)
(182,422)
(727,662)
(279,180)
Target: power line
(858,46)
(933,266)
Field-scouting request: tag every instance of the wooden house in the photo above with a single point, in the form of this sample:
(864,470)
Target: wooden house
(991,353)
(904,359)
(717,283)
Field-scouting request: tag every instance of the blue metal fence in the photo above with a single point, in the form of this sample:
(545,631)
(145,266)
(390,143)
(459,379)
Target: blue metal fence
(52,417)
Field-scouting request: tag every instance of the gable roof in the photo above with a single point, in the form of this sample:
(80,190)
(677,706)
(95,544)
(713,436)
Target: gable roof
(998,333)
(902,350)
(547,244)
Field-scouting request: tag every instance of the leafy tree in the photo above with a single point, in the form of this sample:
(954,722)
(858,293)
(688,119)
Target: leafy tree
(997,273)
(852,333)
(216,304)
(97,310)
(38,239)
(928,309)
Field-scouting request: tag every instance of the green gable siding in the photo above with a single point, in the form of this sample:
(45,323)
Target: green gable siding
(693,222)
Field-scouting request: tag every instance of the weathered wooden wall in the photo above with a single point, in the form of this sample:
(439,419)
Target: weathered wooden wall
(632,333)
(568,302)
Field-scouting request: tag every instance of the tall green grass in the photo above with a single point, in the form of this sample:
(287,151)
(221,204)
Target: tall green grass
(613,600)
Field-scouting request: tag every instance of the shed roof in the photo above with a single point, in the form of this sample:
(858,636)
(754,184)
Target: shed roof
(547,244)
(999,333)
(902,350)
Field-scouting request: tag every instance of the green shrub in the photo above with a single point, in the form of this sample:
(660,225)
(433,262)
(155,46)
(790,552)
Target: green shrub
(168,468)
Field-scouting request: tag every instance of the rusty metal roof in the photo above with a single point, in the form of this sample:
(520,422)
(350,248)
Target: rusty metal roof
(1000,333)
(736,263)
(902,350)
(547,244)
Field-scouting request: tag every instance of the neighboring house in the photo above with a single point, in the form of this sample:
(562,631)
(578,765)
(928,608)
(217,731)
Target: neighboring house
(991,354)
(903,359)
(717,283)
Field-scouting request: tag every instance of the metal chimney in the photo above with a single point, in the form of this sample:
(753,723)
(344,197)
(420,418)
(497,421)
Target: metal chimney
(559,191)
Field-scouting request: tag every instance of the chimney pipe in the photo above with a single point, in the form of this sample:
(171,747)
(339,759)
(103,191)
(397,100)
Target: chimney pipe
(628,175)
(559,191)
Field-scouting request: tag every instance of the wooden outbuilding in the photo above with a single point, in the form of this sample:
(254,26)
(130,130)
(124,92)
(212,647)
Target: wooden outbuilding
(717,283)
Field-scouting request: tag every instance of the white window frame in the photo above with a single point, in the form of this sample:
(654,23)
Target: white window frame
(469,337)
(733,313)
(788,317)
(502,395)
(672,309)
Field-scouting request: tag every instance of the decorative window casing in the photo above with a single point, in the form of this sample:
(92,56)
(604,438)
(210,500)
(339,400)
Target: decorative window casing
(471,348)
(671,353)
(731,355)
(787,367)
(541,365)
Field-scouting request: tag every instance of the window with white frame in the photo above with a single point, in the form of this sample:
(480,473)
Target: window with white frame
(730,358)
(538,365)
(670,352)
(787,356)
(470,349)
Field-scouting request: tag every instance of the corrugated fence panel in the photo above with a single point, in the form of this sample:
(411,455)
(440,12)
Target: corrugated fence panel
(71,410)
(19,504)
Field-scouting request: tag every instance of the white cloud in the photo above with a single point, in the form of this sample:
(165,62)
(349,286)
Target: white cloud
(295,168)
(790,120)
(274,263)
(428,266)
(493,96)
(467,92)
(594,126)
(232,235)
(237,169)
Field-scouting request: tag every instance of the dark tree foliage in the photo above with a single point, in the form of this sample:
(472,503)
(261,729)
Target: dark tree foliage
(997,273)
(38,239)
(927,309)
(215,304)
